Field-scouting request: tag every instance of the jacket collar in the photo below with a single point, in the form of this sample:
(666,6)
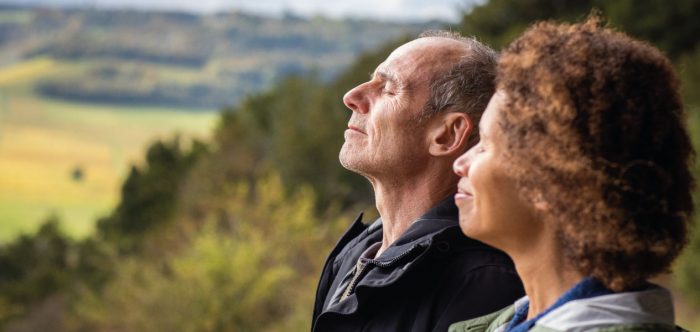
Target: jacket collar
(421,232)
(411,245)
(650,309)
(650,306)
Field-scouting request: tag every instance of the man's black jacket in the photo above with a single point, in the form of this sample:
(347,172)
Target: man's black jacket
(431,277)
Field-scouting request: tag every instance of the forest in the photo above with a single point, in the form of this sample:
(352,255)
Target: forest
(230,233)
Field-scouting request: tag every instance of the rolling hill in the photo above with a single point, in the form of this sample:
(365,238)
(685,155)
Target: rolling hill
(83,92)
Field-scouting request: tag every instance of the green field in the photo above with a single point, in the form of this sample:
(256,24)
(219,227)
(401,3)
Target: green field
(42,142)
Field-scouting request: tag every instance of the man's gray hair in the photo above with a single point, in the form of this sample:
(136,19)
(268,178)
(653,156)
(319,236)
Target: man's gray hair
(466,86)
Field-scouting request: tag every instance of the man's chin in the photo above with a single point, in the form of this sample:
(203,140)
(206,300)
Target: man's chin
(352,164)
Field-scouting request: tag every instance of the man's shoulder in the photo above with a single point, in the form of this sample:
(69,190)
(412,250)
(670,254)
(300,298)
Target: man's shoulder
(471,255)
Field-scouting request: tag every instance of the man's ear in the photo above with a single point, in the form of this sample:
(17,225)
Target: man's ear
(449,134)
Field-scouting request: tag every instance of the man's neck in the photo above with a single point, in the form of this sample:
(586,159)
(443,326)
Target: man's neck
(401,202)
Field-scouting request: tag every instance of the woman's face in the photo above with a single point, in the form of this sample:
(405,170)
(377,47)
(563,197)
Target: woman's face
(490,208)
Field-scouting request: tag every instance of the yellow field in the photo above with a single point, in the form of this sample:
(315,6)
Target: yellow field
(43,141)
(24,71)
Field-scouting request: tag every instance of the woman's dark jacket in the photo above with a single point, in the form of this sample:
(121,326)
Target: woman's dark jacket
(431,277)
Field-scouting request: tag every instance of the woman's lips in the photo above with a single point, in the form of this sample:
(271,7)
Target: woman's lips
(463,193)
(461,196)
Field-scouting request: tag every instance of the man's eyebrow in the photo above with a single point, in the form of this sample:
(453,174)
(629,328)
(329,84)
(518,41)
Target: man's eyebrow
(386,76)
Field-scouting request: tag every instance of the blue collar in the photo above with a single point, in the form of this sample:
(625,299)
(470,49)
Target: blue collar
(586,288)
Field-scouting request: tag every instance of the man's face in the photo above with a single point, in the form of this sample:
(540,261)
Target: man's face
(383,134)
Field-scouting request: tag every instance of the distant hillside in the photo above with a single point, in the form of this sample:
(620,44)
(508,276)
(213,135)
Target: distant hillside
(178,59)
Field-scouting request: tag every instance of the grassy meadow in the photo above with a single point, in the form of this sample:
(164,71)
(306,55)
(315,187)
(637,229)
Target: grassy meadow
(69,80)
(44,142)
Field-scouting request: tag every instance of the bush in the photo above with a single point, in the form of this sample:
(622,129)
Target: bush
(252,268)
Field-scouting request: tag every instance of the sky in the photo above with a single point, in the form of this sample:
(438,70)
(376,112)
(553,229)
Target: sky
(401,10)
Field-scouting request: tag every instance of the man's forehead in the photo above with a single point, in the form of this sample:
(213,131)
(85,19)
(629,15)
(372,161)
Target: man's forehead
(402,66)
(430,47)
(423,55)
(405,76)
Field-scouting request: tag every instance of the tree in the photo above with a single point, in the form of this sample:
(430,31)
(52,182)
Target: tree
(149,194)
(34,267)
(252,267)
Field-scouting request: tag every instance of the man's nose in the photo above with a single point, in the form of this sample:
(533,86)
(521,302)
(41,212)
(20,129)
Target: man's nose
(356,99)
(461,165)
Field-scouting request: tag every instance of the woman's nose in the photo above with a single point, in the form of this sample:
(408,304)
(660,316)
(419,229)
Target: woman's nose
(461,165)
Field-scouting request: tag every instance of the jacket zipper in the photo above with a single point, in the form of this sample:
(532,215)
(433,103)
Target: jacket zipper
(358,275)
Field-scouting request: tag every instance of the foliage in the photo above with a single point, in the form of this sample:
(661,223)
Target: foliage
(688,273)
(688,268)
(149,194)
(293,129)
(498,22)
(671,26)
(33,267)
(253,269)
(689,69)
(36,267)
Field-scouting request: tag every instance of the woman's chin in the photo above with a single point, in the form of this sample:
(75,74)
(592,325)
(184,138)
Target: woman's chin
(466,222)
(469,225)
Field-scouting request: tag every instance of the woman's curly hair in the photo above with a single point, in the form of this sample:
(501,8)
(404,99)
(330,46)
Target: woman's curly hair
(595,131)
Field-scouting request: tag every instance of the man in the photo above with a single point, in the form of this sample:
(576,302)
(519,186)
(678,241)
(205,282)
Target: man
(413,270)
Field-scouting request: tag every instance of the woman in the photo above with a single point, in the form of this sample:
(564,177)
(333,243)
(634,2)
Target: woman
(582,177)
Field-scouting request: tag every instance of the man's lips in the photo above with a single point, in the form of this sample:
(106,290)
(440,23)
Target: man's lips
(351,127)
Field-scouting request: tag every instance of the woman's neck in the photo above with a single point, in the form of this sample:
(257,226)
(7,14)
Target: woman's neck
(545,275)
